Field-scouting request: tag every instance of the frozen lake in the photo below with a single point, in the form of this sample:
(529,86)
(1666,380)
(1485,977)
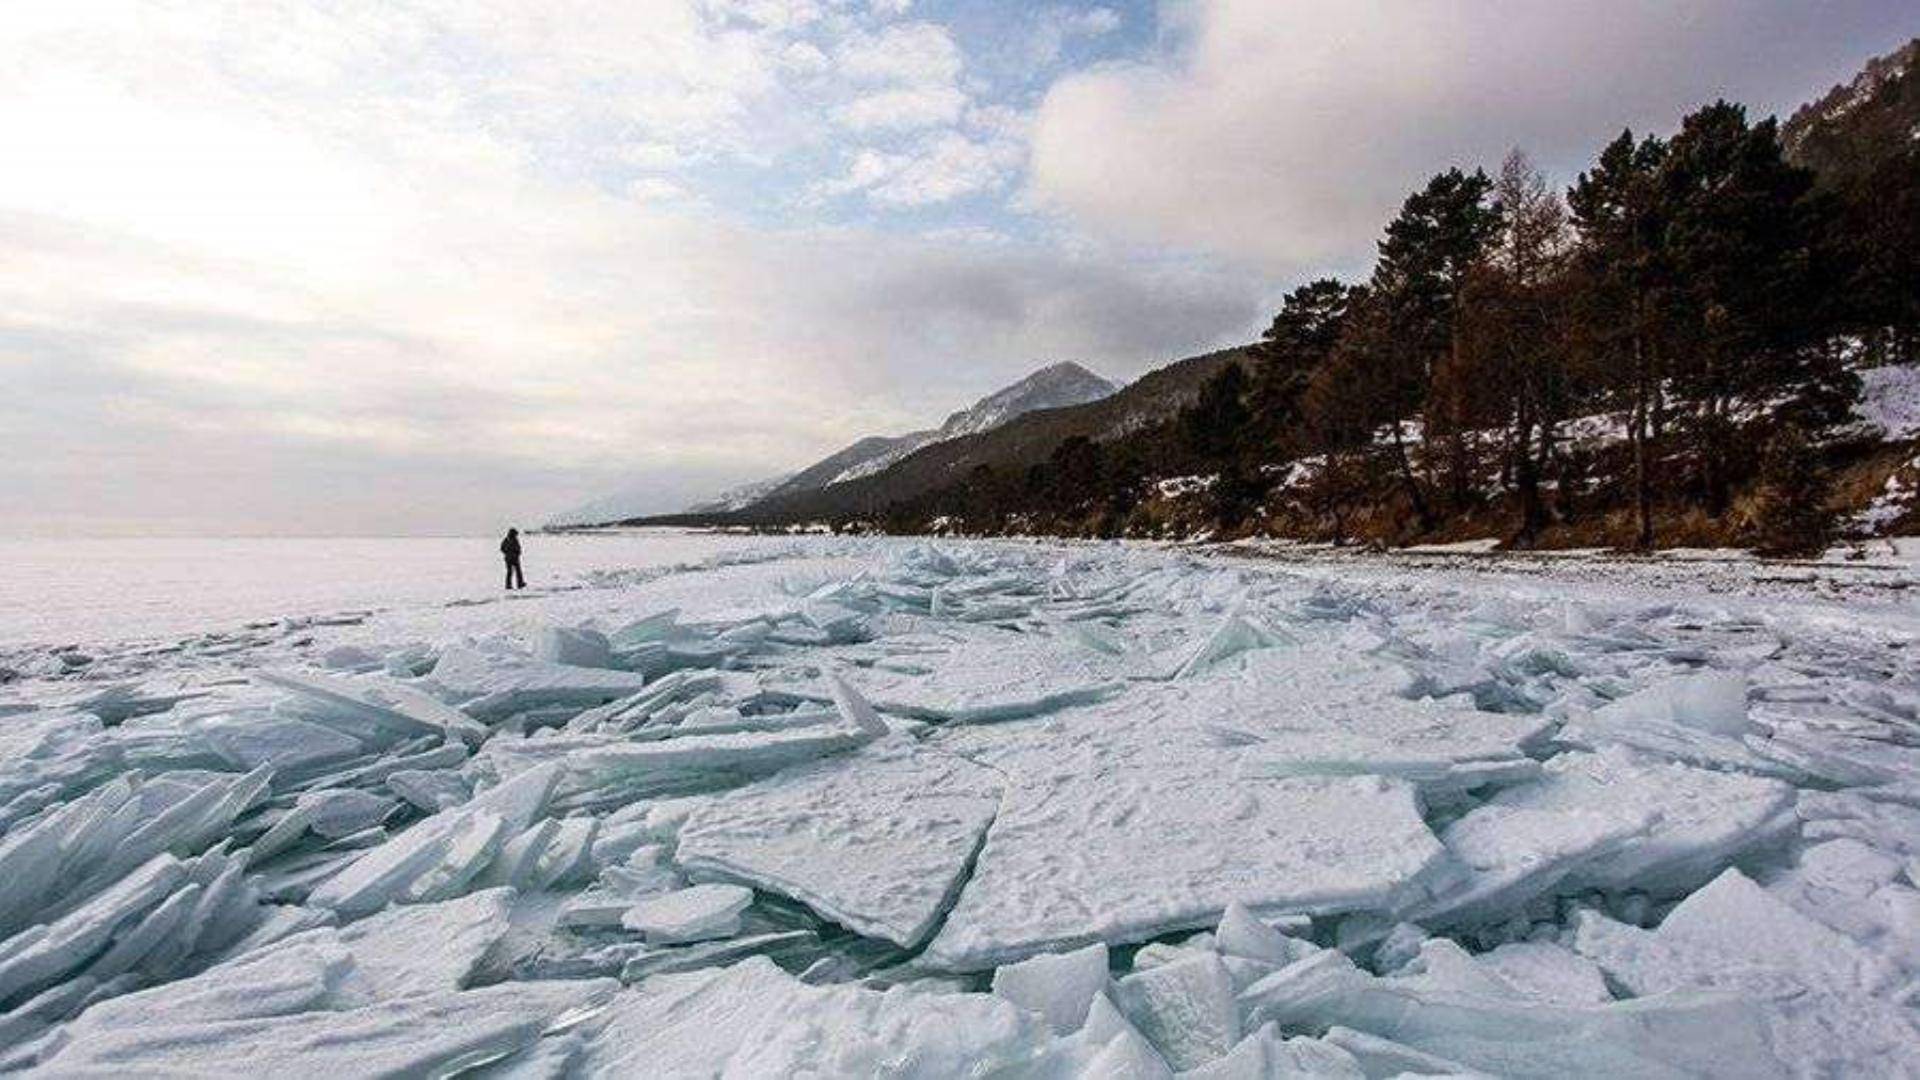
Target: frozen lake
(1076,805)
(57,592)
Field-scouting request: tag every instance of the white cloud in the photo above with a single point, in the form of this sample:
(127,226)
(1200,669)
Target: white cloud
(903,109)
(1286,133)
(1055,27)
(907,54)
(946,167)
(382,287)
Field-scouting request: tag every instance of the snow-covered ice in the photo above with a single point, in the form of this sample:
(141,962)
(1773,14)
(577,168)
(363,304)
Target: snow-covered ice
(878,807)
(1127,856)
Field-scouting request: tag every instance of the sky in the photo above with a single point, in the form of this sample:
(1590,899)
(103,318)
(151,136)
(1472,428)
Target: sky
(372,267)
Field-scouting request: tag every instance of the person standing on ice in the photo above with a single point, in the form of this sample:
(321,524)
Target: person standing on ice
(510,547)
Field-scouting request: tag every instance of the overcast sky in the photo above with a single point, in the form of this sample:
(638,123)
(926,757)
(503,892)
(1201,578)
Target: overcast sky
(381,266)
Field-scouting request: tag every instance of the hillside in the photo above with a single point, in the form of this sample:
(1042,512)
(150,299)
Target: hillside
(738,498)
(1052,387)
(1856,126)
(1017,443)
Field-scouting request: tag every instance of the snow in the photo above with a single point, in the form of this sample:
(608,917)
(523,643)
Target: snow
(699,913)
(877,807)
(878,845)
(1890,400)
(1129,855)
(1058,986)
(1052,387)
(57,592)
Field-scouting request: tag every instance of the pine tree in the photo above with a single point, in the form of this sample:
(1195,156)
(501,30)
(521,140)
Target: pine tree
(1749,307)
(1302,337)
(1524,293)
(1215,424)
(1624,279)
(1442,235)
(1793,518)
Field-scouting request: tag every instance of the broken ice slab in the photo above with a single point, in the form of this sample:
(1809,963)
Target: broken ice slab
(1128,855)
(698,913)
(1315,709)
(426,948)
(618,771)
(877,843)
(431,1034)
(644,710)
(1680,743)
(1702,819)
(776,1025)
(671,960)
(177,813)
(495,687)
(1885,818)
(1058,986)
(1266,1053)
(1841,759)
(577,646)
(41,956)
(1237,632)
(373,708)
(1697,719)
(1186,1009)
(1823,1000)
(656,627)
(294,748)
(436,858)
(998,675)
(1548,971)
(1668,1036)
(1500,858)
(431,790)
(1242,934)
(1711,701)
(427,752)
(329,812)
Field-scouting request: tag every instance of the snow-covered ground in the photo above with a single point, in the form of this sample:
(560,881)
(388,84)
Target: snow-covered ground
(89,592)
(878,807)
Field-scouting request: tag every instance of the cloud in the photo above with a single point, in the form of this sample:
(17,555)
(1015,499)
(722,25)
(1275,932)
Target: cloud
(1054,28)
(947,167)
(904,109)
(1284,134)
(346,302)
(429,265)
(906,54)
(909,75)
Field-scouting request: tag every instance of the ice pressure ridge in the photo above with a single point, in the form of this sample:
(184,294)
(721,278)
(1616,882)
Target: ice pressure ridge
(903,809)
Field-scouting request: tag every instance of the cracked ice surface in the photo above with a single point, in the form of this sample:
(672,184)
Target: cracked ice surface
(890,808)
(1125,856)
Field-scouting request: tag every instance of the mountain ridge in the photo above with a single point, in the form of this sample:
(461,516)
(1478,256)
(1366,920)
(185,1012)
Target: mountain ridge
(1057,385)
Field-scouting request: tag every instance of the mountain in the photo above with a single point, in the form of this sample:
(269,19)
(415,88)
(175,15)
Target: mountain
(740,497)
(1052,387)
(1023,439)
(618,506)
(835,465)
(1853,128)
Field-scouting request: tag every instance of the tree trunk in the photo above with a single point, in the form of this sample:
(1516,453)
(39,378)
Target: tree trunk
(1639,430)
(1410,482)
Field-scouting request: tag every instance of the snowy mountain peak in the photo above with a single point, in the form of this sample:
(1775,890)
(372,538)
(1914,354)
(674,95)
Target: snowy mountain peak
(1053,387)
